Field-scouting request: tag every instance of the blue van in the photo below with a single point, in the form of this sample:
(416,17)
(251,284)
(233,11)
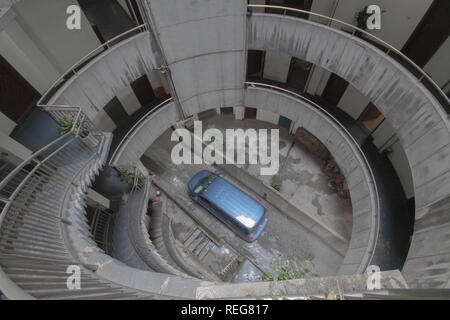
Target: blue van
(230,205)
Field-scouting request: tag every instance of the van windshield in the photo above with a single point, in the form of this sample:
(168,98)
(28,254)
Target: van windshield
(204,183)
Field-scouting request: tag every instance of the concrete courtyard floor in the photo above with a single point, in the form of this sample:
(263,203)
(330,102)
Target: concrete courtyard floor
(303,183)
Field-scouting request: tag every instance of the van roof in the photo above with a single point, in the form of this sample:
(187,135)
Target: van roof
(234,202)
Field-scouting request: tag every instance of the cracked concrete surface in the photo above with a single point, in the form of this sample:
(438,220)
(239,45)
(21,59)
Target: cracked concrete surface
(304,182)
(292,240)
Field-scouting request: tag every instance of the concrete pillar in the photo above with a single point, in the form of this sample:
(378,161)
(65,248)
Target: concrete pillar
(154,79)
(318,80)
(238,113)
(276,66)
(158,80)
(353,102)
(293,128)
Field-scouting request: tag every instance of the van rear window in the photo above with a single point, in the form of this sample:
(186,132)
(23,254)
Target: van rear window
(204,183)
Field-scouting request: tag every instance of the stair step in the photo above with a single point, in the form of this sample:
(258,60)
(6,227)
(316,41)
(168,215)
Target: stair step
(196,242)
(201,246)
(192,237)
(205,250)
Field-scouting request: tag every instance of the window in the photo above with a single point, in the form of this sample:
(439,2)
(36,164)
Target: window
(204,183)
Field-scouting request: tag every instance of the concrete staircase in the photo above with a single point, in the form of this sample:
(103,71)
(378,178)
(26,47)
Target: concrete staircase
(34,255)
(198,243)
(160,238)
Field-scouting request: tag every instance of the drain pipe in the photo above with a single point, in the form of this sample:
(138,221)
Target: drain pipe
(147,16)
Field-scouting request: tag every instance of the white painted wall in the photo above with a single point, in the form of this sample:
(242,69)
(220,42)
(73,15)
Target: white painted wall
(45,23)
(23,54)
(37,43)
(439,65)
(397,23)
(6,124)
(276,66)
(154,79)
(128,99)
(157,79)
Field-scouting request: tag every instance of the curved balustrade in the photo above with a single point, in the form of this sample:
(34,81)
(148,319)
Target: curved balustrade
(349,157)
(418,118)
(43,227)
(347,152)
(98,77)
(80,64)
(137,206)
(372,40)
(133,131)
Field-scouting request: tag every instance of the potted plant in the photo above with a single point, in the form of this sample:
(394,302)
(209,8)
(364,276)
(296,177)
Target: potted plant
(128,176)
(66,124)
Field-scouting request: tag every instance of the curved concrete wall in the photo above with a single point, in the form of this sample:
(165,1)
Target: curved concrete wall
(204,45)
(417,118)
(197,58)
(146,133)
(79,242)
(364,201)
(100,80)
(352,165)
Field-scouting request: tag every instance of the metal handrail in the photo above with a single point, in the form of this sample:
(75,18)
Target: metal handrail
(353,143)
(389,48)
(81,63)
(79,121)
(132,131)
(139,238)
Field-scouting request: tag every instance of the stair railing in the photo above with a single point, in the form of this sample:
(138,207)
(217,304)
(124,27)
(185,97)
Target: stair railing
(40,171)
